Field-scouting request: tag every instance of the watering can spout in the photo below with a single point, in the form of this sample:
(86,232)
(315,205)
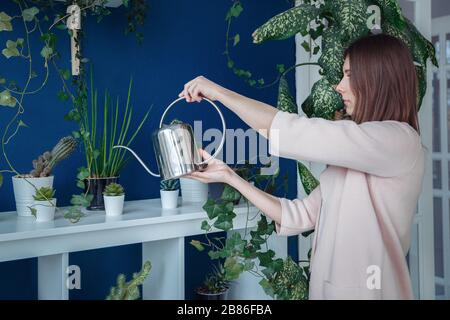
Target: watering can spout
(139,159)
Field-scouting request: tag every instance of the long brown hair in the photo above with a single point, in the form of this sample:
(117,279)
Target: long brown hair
(383,79)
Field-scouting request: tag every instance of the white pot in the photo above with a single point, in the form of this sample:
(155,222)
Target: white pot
(169,198)
(114,205)
(25,189)
(193,191)
(45,211)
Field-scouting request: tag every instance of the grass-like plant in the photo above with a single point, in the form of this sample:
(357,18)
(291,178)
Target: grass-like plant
(102,126)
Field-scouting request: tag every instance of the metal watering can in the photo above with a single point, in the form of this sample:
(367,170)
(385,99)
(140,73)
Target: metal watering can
(175,148)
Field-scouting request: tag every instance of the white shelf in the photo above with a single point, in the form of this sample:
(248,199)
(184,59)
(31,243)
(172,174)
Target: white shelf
(161,231)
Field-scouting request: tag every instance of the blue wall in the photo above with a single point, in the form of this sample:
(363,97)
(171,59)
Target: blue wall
(183,39)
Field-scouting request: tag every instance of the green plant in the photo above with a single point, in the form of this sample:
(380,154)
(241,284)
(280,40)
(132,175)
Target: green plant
(170,185)
(44,194)
(338,23)
(100,131)
(114,190)
(215,282)
(129,290)
(36,17)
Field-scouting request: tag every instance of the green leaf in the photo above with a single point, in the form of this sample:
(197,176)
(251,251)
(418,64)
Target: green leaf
(233,268)
(287,24)
(306,46)
(235,10)
(326,101)
(268,289)
(285,100)
(2,80)
(11,49)
(28,14)
(265,258)
(205,225)
(81,200)
(351,18)
(6,99)
(1,179)
(197,245)
(309,182)
(332,57)
(5,22)
(46,52)
(230,194)
(33,212)
(236,39)
(280,68)
(63,96)
(65,74)
(125,3)
(22,124)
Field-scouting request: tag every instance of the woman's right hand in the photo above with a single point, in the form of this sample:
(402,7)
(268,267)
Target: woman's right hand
(199,88)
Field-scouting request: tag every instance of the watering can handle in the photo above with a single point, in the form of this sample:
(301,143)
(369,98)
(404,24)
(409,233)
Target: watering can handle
(224,128)
(140,161)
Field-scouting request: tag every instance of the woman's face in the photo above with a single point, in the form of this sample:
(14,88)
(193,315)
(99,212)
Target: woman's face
(345,89)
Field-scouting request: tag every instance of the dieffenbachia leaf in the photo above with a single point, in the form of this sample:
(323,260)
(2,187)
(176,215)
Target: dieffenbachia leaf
(309,182)
(391,11)
(350,17)
(308,106)
(332,58)
(6,99)
(5,22)
(325,99)
(1,179)
(285,100)
(287,24)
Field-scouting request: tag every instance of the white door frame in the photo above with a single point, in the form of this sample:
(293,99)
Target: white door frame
(441,27)
(421,257)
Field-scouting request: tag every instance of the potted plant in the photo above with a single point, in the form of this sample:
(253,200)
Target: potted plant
(170,190)
(102,126)
(215,286)
(44,205)
(26,185)
(114,198)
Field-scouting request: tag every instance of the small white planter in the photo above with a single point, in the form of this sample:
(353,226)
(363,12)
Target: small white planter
(193,191)
(169,198)
(25,189)
(114,205)
(45,211)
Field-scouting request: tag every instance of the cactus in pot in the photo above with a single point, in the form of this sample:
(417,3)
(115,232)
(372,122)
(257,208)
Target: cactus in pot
(26,185)
(169,193)
(114,198)
(44,206)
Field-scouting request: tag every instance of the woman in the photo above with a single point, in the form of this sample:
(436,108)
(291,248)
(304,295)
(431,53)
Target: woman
(363,209)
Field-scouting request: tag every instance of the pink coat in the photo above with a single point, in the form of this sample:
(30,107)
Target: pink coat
(363,210)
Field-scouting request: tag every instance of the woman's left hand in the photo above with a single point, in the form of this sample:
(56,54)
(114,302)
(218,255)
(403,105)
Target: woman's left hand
(216,171)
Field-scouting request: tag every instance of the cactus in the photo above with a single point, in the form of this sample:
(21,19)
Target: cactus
(114,190)
(44,194)
(129,290)
(45,163)
(170,185)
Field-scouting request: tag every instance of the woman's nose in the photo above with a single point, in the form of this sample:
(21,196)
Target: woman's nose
(339,88)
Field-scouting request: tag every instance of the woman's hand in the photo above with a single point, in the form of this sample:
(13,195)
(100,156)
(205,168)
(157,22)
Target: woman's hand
(199,88)
(216,171)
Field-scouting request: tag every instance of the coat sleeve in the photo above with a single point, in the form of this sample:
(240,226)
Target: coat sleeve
(299,215)
(382,148)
